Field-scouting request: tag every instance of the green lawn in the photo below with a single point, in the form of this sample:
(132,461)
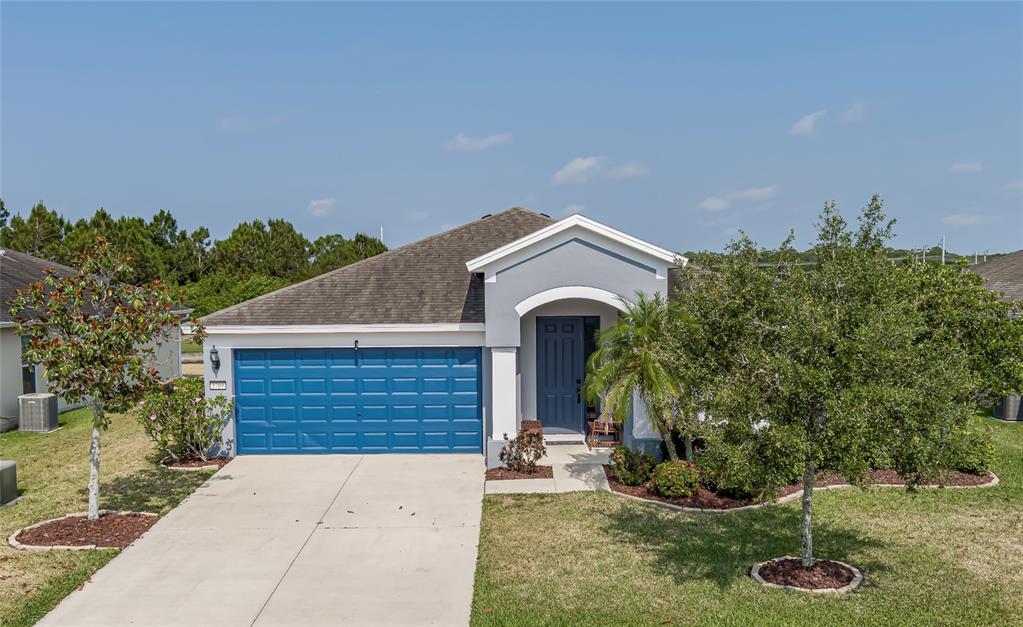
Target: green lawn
(53,472)
(188,346)
(934,557)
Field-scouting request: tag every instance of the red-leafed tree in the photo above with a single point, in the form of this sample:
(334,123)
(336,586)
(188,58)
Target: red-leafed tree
(94,335)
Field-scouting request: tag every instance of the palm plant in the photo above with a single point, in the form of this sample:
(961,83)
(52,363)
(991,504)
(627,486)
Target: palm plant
(631,358)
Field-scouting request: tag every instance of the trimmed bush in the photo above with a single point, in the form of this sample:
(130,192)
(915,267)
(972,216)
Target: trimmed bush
(523,451)
(631,467)
(676,480)
(182,422)
(971,452)
(757,468)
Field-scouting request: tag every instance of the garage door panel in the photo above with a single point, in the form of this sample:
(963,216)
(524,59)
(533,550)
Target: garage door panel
(365,400)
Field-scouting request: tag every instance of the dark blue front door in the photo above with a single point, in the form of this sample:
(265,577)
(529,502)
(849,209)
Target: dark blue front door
(560,371)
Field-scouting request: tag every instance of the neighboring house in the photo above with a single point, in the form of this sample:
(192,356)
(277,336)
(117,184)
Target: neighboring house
(443,345)
(1003,275)
(18,271)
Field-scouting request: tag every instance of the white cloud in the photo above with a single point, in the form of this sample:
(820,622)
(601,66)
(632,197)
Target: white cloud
(248,123)
(570,209)
(724,201)
(755,193)
(578,170)
(853,114)
(732,231)
(464,142)
(714,203)
(628,170)
(966,167)
(321,207)
(807,124)
(966,219)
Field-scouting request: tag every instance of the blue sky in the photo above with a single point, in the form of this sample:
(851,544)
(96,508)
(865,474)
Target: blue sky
(677,123)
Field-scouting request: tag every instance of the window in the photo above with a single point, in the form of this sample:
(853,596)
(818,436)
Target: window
(28,371)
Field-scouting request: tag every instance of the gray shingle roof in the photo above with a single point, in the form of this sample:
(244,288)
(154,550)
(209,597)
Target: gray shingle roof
(1004,275)
(423,282)
(18,271)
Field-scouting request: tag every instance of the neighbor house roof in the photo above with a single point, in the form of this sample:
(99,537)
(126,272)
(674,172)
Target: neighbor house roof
(18,271)
(1004,274)
(421,283)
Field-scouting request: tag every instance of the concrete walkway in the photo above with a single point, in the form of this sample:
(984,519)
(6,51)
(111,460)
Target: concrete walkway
(302,540)
(575,467)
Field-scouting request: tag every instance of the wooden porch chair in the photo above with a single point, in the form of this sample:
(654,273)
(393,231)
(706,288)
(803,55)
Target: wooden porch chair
(602,427)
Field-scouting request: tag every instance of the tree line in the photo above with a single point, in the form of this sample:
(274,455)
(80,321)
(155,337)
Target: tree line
(257,257)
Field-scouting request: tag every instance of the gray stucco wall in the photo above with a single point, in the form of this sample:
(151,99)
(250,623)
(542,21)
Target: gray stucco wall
(587,261)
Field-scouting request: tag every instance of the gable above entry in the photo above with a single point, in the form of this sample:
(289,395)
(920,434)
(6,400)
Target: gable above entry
(507,253)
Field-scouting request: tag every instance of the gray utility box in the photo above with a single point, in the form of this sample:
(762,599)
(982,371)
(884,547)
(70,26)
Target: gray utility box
(37,412)
(1009,408)
(8,481)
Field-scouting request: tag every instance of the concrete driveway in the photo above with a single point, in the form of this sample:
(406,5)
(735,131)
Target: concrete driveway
(302,540)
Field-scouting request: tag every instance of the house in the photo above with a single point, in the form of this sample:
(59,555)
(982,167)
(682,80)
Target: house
(1003,275)
(18,271)
(443,345)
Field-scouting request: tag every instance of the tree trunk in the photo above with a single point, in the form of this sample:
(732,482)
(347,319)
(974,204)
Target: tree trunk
(805,529)
(689,448)
(94,466)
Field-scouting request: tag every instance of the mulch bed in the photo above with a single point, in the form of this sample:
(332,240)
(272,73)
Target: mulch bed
(219,462)
(822,574)
(705,499)
(500,474)
(116,530)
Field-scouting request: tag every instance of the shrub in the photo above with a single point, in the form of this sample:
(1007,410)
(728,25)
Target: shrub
(677,479)
(757,468)
(631,467)
(182,422)
(971,452)
(523,451)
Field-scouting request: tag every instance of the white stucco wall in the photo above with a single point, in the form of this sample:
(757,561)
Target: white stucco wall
(226,343)
(168,363)
(10,372)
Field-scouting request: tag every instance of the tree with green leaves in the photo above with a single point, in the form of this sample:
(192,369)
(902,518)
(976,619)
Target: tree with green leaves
(40,234)
(631,358)
(92,334)
(831,365)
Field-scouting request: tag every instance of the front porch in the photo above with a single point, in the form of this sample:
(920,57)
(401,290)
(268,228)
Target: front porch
(577,468)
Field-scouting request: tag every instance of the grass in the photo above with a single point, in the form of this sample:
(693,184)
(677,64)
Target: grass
(53,472)
(188,346)
(931,557)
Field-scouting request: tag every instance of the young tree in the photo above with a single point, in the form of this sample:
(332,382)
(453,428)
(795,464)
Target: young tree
(829,364)
(631,358)
(89,331)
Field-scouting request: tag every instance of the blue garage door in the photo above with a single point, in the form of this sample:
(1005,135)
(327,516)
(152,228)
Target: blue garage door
(369,400)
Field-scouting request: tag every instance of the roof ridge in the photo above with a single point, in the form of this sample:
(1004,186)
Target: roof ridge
(40,260)
(384,255)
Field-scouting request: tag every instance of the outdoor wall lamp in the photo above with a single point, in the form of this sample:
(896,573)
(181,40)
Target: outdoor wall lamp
(215,359)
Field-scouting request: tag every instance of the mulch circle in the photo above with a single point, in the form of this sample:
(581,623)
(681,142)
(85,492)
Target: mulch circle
(196,464)
(501,474)
(826,576)
(112,530)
